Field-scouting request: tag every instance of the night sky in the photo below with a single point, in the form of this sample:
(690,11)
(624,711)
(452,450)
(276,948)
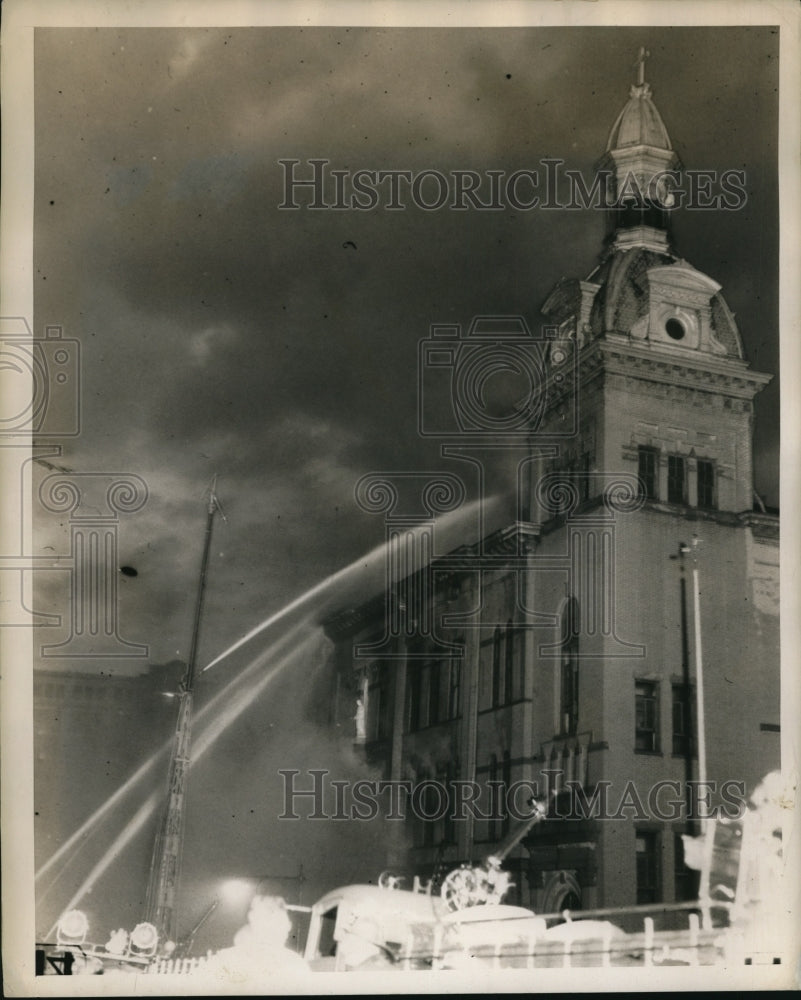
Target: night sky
(278,349)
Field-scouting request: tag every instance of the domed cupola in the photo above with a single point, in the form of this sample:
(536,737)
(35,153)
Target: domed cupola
(664,391)
(640,169)
(639,123)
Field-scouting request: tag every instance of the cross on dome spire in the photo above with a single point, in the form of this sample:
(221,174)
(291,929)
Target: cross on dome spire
(642,55)
(639,123)
(639,158)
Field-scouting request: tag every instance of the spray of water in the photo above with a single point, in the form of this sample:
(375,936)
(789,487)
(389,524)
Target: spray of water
(370,561)
(80,837)
(236,705)
(233,705)
(206,739)
(132,827)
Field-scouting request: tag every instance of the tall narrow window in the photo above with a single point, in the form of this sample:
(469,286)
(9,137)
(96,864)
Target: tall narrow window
(375,697)
(647,854)
(455,688)
(509,664)
(686,881)
(706,483)
(430,809)
(520,661)
(677,479)
(485,674)
(385,711)
(448,827)
(647,471)
(569,679)
(497,675)
(434,683)
(415,696)
(379,703)
(683,729)
(646,717)
(506,778)
(375,707)
(494,825)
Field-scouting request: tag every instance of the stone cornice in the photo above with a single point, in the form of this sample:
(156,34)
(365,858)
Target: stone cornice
(728,377)
(765,527)
(520,538)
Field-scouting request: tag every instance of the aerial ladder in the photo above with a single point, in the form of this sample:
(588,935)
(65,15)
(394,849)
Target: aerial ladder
(165,868)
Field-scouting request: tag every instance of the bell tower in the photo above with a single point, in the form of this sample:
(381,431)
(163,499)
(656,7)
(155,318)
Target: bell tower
(640,170)
(664,391)
(661,409)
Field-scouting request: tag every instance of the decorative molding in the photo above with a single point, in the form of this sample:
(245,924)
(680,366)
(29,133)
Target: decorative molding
(728,377)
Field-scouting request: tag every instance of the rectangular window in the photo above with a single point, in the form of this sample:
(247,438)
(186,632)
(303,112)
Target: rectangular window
(677,479)
(497,669)
(430,806)
(415,696)
(520,663)
(506,778)
(455,688)
(448,825)
(647,471)
(686,881)
(647,855)
(485,654)
(495,800)
(569,695)
(706,483)
(374,706)
(683,726)
(646,717)
(379,703)
(326,942)
(423,825)
(509,664)
(434,682)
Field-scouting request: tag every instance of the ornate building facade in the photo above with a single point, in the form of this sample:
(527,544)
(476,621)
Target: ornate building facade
(619,640)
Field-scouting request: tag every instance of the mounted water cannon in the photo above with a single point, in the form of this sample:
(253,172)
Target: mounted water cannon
(486,884)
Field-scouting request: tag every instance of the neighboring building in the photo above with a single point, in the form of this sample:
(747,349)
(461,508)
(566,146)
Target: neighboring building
(585,659)
(91,733)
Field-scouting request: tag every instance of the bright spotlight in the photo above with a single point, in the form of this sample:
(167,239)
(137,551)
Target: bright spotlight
(72,928)
(236,891)
(144,939)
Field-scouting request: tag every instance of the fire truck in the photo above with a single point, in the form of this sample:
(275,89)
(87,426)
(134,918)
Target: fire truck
(467,925)
(366,927)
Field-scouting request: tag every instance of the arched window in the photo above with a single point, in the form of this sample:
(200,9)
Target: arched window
(569,669)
